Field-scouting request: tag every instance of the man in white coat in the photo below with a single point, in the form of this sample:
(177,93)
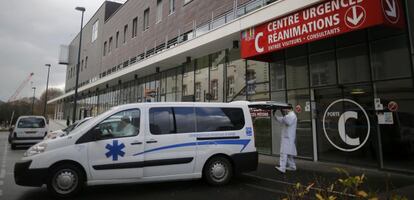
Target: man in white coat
(288,140)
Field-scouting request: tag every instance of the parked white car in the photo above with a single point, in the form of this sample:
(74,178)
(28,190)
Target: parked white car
(67,130)
(28,130)
(145,142)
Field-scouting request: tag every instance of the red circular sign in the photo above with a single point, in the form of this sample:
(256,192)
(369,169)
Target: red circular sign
(392,106)
(391,10)
(298,109)
(355,16)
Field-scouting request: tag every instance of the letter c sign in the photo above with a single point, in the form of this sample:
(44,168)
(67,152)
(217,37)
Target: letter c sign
(256,43)
(334,126)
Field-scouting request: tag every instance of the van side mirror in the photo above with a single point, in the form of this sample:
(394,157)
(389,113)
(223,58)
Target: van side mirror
(96,133)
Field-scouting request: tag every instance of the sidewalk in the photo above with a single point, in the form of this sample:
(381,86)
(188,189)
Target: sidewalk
(57,125)
(382,182)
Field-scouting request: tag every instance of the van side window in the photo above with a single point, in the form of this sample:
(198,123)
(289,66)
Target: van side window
(122,124)
(185,119)
(167,120)
(219,119)
(161,121)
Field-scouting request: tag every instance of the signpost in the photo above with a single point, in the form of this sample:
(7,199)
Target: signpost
(328,19)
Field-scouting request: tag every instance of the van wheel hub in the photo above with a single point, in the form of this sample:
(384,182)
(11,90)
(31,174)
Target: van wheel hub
(65,181)
(218,171)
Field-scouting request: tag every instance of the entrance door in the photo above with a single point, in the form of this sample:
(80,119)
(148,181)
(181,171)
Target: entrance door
(345,125)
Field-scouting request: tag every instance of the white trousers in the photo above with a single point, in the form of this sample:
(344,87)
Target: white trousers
(287,161)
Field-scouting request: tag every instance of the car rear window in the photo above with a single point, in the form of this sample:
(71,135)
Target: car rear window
(31,123)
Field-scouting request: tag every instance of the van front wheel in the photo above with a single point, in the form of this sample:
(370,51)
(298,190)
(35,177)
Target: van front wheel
(218,171)
(65,181)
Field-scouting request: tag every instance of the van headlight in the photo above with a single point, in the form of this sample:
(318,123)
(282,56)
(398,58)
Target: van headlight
(36,149)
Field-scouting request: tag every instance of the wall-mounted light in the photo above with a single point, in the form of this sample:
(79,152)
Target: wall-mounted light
(357,91)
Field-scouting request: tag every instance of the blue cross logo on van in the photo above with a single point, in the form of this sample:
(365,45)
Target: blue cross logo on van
(115,150)
(249,131)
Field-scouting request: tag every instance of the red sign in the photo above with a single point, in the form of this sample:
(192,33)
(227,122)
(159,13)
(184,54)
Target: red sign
(324,20)
(298,109)
(259,113)
(393,106)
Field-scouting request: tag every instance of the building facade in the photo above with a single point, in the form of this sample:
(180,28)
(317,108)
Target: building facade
(353,92)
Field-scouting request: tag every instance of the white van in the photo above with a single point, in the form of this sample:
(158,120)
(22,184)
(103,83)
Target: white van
(145,143)
(28,130)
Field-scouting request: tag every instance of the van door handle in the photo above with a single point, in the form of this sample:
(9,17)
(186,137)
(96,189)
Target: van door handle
(152,141)
(136,143)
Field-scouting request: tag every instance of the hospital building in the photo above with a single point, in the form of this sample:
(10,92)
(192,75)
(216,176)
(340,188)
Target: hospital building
(346,66)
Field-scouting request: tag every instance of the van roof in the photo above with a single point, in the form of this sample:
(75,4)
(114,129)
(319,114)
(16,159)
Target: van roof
(31,116)
(234,103)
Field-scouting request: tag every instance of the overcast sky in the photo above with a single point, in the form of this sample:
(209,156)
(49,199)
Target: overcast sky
(31,32)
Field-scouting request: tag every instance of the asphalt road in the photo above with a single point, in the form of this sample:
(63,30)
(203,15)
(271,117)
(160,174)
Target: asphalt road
(263,184)
(243,187)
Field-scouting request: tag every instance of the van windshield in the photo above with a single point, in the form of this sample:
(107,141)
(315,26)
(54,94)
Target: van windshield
(31,123)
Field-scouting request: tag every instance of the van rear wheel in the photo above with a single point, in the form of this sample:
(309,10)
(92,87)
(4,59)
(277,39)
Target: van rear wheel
(218,171)
(65,181)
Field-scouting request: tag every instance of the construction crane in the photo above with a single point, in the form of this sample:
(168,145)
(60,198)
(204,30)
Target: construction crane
(20,88)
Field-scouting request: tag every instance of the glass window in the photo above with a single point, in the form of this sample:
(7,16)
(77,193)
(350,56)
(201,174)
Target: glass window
(391,58)
(295,52)
(217,76)
(277,75)
(276,128)
(297,73)
(159,11)
(161,121)
(122,124)
(188,82)
(323,69)
(146,19)
(257,80)
(125,33)
(104,49)
(134,27)
(322,45)
(352,38)
(236,80)
(95,30)
(185,119)
(397,134)
(304,141)
(117,39)
(353,59)
(31,123)
(110,45)
(172,7)
(201,78)
(219,119)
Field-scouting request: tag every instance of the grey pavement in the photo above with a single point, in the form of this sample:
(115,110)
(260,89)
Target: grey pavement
(56,125)
(265,183)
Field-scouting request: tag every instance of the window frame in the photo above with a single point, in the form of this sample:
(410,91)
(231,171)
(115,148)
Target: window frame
(134,27)
(171,7)
(89,133)
(160,6)
(95,29)
(146,19)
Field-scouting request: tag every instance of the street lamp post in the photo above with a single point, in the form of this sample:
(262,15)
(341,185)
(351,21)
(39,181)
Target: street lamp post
(82,9)
(47,87)
(33,99)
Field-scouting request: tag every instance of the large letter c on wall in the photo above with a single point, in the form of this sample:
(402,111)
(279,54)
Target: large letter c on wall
(256,43)
(341,128)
